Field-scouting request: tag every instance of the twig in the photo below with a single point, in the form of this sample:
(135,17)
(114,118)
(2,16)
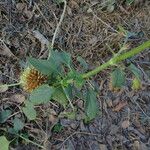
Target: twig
(86,133)
(134,101)
(54,104)
(32,142)
(43,15)
(141,109)
(57,28)
(103,22)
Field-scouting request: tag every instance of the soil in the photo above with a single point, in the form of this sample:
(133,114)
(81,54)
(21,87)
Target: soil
(87,30)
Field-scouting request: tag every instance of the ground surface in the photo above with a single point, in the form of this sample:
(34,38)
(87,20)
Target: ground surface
(87,31)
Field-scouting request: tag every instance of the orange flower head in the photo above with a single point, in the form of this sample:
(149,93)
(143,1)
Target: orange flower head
(31,79)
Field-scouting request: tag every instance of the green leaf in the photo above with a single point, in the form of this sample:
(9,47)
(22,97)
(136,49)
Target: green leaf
(4,143)
(4,115)
(18,124)
(59,58)
(79,81)
(82,63)
(57,128)
(53,65)
(117,78)
(12,131)
(42,94)
(129,2)
(76,78)
(55,61)
(66,58)
(136,84)
(44,66)
(29,111)
(91,104)
(60,97)
(137,72)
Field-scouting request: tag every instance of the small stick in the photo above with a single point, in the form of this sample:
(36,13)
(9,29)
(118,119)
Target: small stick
(57,28)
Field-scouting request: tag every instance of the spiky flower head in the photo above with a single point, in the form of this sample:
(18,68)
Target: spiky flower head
(31,79)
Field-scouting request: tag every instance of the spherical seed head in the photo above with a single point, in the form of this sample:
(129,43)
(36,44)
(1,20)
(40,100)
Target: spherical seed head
(31,79)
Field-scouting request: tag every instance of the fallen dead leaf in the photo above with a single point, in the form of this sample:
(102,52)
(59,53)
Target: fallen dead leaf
(18,98)
(73,4)
(109,102)
(136,145)
(53,116)
(120,106)
(3,88)
(94,2)
(21,6)
(125,124)
(4,50)
(29,14)
(40,37)
(102,147)
(69,11)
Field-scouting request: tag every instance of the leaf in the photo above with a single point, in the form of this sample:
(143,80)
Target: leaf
(57,128)
(125,124)
(91,105)
(18,98)
(76,78)
(136,84)
(53,65)
(79,81)
(12,131)
(4,115)
(82,63)
(60,97)
(29,111)
(120,106)
(129,2)
(42,94)
(59,58)
(52,116)
(3,88)
(18,124)
(137,72)
(4,50)
(55,58)
(44,66)
(117,78)
(4,143)
(102,147)
(110,8)
(66,58)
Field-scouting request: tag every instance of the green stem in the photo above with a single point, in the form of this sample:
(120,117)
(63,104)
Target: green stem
(117,59)
(96,70)
(132,52)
